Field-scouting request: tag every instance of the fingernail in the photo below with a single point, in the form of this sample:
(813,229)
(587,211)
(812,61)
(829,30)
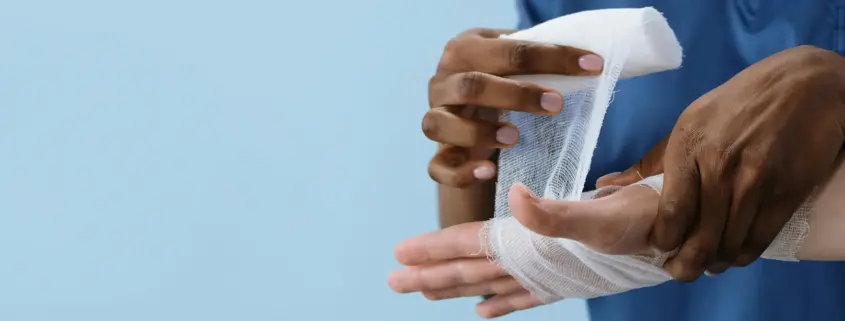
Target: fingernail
(591,62)
(551,102)
(711,274)
(484,172)
(507,135)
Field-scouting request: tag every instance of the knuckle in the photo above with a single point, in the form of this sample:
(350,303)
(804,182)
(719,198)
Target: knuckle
(432,82)
(526,92)
(448,61)
(697,257)
(692,136)
(670,227)
(716,160)
(460,272)
(432,172)
(685,142)
(435,92)
(752,158)
(724,153)
(430,126)
(518,56)
(470,85)
(815,55)
(454,44)
(699,106)
(672,213)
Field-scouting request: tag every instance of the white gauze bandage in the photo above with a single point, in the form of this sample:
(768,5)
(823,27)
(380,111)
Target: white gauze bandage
(554,268)
(553,155)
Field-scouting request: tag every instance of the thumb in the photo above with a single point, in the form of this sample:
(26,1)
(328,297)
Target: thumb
(553,218)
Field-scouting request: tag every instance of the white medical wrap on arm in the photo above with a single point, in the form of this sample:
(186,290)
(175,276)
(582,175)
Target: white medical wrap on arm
(554,153)
(557,268)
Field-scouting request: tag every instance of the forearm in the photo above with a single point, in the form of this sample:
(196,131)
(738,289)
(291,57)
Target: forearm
(470,204)
(825,240)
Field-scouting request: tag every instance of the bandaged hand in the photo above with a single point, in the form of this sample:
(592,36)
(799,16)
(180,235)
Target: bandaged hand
(744,156)
(451,263)
(551,250)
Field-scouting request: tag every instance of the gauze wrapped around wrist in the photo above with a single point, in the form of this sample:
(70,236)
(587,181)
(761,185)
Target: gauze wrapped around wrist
(553,155)
(555,268)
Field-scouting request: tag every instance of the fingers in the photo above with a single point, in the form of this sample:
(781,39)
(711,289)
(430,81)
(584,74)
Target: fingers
(444,275)
(767,225)
(503,285)
(453,167)
(459,241)
(679,202)
(486,90)
(442,126)
(628,177)
(744,205)
(501,305)
(512,57)
(701,246)
(651,164)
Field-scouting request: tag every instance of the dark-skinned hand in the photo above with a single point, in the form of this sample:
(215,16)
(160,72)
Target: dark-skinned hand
(742,158)
(469,91)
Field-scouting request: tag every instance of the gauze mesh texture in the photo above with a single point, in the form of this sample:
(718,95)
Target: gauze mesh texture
(555,268)
(554,154)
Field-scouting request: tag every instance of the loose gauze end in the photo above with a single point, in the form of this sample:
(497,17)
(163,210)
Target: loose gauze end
(554,153)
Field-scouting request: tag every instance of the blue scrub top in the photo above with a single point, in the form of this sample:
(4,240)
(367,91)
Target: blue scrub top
(720,38)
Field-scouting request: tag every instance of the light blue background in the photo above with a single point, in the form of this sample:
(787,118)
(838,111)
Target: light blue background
(220,160)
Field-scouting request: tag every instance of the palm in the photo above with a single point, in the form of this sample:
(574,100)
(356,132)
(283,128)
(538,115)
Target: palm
(616,224)
(449,263)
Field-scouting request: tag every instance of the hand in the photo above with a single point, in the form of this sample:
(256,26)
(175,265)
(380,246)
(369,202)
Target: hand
(450,263)
(743,157)
(468,92)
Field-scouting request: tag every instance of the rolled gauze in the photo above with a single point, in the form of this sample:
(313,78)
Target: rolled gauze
(554,153)
(650,43)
